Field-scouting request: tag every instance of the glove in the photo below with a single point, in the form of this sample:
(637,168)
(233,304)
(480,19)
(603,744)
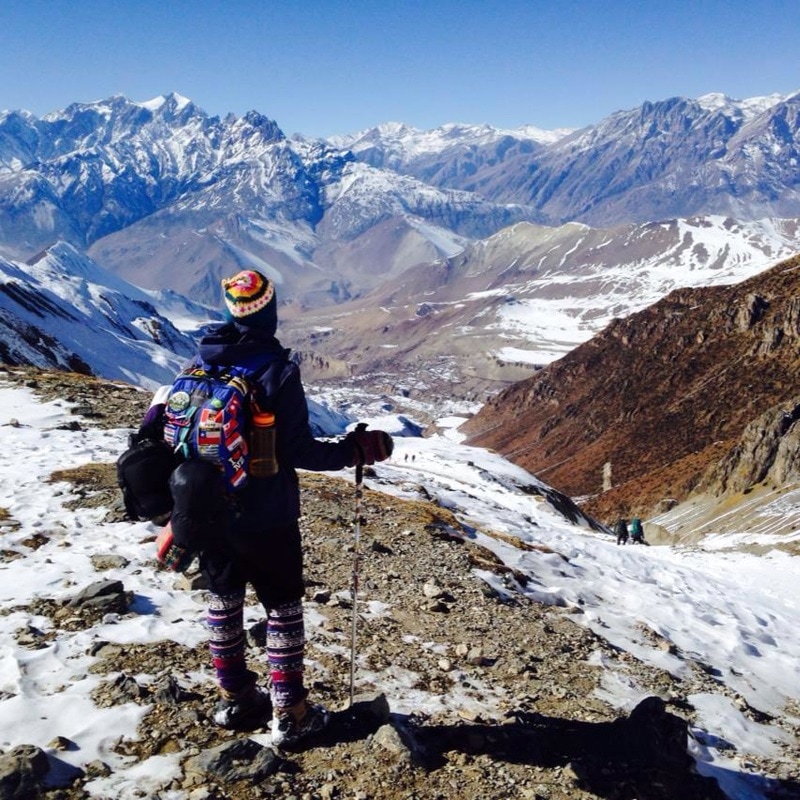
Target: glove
(369,446)
(170,555)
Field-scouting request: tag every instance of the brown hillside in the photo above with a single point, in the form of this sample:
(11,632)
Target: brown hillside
(660,395)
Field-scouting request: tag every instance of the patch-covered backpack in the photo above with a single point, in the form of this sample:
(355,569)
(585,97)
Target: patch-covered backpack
(207,416)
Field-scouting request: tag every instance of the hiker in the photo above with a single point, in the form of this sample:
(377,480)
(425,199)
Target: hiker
(621,529)
(252,535)
(637,534)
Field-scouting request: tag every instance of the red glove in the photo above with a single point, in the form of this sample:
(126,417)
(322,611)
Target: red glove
(369,446)
(172,556)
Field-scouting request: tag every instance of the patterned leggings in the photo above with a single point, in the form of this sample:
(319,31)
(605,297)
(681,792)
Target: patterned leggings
(285,647)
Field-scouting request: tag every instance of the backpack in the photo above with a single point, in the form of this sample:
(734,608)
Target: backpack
(207,416)
(198,514)
(143,473)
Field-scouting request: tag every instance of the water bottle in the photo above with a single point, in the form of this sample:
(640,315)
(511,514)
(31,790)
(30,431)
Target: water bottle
(263,463)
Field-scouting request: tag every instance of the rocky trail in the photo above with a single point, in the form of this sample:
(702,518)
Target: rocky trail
(516,715)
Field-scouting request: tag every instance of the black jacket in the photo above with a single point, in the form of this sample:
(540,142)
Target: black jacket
(275,501)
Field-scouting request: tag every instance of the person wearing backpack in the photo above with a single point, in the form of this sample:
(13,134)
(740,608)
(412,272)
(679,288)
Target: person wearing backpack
(252,535)
(621,531)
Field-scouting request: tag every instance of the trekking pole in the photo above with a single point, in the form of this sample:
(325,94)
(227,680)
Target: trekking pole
(356,566)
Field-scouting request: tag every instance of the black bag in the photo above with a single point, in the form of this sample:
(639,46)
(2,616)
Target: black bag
(198,491)
(143,473)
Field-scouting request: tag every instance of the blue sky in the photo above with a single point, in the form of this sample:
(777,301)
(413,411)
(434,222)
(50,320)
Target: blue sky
(322,68)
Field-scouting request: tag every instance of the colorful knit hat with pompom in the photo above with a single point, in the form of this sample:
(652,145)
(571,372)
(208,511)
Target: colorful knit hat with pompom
(250,300)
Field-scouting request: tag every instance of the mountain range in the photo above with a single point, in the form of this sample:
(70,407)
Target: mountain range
(506,305)
(672,158)
(167,196)
(457,329)
(62,310)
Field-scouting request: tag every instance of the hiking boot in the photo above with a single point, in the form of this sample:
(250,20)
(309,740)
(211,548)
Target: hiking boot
(245,710)
(292,725)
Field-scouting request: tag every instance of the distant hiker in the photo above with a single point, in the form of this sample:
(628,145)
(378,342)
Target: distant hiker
(637,534)
(621,529)
(251,535)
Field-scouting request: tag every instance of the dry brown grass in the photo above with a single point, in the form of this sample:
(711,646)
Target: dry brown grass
(94,477)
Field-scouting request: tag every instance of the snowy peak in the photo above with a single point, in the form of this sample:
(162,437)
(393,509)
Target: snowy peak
(172,102)
(172,198)
(677,157)
(415,142)
(63,310)
(715,102)
(83,127)
(408,150)
(171,108)
(172,126)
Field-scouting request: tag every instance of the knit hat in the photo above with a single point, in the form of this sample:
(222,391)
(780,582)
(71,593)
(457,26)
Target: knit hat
(250,300)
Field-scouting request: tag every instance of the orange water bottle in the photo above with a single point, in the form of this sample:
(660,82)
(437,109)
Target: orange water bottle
(263,462)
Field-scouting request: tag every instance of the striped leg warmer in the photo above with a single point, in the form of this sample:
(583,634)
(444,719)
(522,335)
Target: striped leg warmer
(227,640)
(285,649)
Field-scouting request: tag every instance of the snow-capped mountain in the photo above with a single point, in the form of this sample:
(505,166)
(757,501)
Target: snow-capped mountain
(673,158)
(62,310)
(169,197)
(452,329)
(448,156)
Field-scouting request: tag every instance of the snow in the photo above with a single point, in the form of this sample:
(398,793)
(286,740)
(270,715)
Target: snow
(729,611)
(157,103)
(563,305)
(750,107)
(516,355)
(410,143)
(445,241)
(94,314)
